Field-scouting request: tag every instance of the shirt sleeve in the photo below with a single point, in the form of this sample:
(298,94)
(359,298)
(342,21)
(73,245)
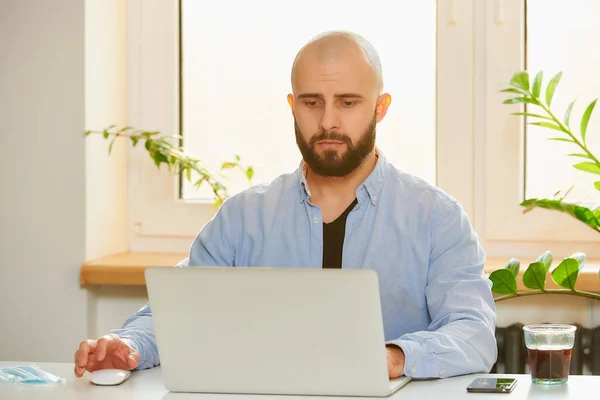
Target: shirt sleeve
(213,246)
(138,332)
(461,336)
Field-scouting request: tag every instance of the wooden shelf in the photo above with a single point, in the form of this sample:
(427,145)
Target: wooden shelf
(128,269)
(125,268)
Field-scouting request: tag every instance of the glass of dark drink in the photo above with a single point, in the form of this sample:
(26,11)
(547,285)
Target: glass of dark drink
(549,349)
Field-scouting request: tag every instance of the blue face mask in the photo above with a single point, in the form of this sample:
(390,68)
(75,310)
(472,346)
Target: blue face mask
(29,375)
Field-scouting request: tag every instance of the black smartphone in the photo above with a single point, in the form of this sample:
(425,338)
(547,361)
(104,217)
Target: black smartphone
(492,385)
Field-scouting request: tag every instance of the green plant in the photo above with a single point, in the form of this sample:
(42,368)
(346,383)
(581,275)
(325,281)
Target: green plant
(163,151)
(529,93)
(504,281)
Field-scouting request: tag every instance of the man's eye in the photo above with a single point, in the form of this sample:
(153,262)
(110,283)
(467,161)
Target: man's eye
(348,103)
(311,103)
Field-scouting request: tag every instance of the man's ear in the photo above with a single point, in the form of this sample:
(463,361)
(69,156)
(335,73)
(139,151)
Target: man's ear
(290,99)
(383,103)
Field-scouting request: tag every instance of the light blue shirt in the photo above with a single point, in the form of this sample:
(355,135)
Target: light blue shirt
(436,301)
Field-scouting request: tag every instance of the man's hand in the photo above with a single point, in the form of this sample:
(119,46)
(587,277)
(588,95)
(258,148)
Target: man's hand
(107,352)
(395,361)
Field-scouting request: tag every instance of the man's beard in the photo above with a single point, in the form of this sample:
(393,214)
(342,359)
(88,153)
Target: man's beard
(330,164)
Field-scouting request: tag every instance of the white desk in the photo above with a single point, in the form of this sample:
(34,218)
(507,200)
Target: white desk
(148,385)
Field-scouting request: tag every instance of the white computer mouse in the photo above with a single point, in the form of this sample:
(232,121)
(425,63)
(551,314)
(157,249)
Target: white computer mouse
(108,377)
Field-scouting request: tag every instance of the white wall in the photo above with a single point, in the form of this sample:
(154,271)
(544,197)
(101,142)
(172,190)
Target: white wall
(63,200)
(42,179)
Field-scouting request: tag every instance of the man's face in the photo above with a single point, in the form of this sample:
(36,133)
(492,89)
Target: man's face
(335,110)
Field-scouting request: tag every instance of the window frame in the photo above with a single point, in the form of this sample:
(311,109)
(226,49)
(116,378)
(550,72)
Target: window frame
(504,227)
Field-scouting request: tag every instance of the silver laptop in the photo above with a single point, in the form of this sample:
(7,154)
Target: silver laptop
(270,331)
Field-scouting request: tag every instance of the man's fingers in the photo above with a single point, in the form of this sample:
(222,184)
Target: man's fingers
(389,363)
(133,359)
(79,371)
(85,348)
(103,345)
(128,355)
(101,351)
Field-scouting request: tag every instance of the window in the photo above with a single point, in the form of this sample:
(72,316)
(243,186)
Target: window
(236,61)
(559,41)
(506,160)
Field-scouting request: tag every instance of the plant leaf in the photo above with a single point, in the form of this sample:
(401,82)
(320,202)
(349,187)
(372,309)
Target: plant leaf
(112,142)
(567,193)
(535,276)
(135,140)
(583,214)
(217,202)
(582,155)
(552,87)
(503,282)
(105,134)
(568,113)
(87,133)
(238,158)
(516,100)
(199,181)
(561,139)
(249,173)
(588,167)
(547,125)
(537,84)
(526,114)
(188,174)
(520,80)
(515,90)
(586,118)
(580,258)
(565,274)
(228,165)
(513,265)
(159,158)
(546,259)
(597,185)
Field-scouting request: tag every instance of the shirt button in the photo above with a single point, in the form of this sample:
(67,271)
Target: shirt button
(374,199)
(316,220)
(442,372)
(413,369)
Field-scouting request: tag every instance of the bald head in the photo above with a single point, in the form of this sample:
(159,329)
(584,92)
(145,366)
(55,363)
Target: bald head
(339,46)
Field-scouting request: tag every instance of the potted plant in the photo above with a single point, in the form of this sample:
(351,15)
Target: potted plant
(565,274)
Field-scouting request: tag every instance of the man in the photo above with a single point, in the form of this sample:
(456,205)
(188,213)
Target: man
(346,206)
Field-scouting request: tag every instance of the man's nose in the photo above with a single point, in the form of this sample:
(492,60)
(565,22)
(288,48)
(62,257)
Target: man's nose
(330,120)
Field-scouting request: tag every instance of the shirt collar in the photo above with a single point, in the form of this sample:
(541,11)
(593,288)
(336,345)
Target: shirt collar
(372,185)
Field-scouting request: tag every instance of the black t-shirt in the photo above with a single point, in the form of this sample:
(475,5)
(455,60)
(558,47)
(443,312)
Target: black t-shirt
(333,239)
